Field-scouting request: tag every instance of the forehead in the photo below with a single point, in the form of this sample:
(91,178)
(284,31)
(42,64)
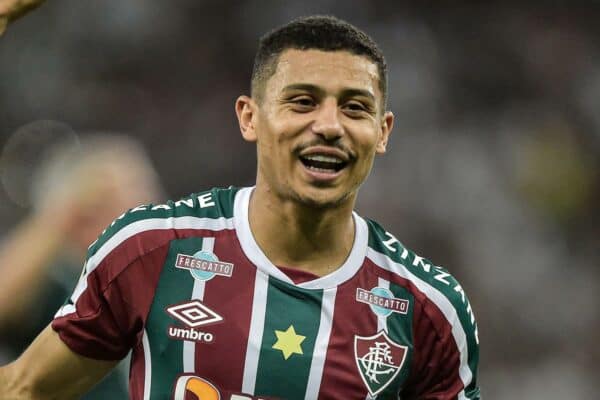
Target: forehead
(330,70)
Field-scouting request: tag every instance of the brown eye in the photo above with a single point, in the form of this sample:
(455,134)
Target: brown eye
(303,104)
(304,101)
(355,108)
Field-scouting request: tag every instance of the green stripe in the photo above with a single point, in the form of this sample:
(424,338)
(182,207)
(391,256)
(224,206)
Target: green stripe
(400,332)
(223,200)
(288,306)
(472,390)
(175,286)
(427,272)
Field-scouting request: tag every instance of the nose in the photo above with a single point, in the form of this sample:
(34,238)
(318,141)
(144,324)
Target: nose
(327,123)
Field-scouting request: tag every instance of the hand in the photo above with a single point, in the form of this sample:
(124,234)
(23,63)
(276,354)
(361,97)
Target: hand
(13,9)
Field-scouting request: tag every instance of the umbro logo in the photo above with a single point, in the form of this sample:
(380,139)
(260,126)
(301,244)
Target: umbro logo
(192,314)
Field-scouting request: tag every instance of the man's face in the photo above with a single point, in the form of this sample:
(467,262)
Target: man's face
(319,126)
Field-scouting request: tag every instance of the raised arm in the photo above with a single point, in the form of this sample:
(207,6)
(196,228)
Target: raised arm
(49,370)
(13,9)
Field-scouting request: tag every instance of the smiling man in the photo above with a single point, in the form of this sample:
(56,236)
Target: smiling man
(273,291)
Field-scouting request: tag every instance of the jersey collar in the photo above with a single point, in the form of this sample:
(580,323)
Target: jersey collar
(260,260)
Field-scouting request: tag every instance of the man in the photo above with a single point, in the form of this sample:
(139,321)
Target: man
(275,291)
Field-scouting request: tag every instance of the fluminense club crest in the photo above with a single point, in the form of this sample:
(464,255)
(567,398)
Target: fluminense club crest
(379,360)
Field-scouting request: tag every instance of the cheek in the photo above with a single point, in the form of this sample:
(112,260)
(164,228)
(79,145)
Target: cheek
(270,152)
(367,140)
(275,139)
(366,147)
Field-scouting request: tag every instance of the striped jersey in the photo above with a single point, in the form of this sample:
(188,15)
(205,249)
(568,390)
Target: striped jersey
(186,288)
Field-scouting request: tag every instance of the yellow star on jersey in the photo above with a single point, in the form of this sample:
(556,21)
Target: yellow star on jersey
(288,342)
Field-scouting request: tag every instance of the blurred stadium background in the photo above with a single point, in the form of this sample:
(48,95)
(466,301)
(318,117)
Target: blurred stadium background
(492,170)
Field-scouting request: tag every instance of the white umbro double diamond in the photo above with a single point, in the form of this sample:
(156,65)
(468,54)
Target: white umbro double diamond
(194,314)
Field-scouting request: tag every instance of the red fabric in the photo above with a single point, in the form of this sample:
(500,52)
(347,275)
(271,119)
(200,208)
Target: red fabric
(340,364)
(298,275)
(435,360)
(236,311)
(111,312)
(436,357)
(137,371)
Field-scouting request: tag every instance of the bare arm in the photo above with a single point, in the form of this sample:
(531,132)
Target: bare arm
(24,256)
(13,9)
(49,370)
(69,219)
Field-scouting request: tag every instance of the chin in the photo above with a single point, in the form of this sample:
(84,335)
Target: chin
(319,198)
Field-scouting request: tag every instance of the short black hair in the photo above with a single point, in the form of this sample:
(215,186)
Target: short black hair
(318,32)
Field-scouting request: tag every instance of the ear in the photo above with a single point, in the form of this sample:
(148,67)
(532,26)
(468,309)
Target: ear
(247,110)
(387,123)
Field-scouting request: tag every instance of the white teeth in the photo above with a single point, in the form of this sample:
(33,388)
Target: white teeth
(321,169)
(323,158)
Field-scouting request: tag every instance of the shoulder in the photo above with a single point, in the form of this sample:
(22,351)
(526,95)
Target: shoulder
(138,241)
(434,283)
(442,298)
(142,229)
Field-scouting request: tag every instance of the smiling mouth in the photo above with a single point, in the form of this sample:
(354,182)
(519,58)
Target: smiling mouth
(323,163)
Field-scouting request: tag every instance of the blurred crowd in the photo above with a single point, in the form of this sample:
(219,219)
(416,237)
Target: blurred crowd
(492,169)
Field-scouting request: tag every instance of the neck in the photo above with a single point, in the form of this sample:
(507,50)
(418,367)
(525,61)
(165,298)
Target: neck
(291,234)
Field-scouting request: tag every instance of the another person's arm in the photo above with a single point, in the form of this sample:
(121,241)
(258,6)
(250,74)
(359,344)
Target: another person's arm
(25,254)
(49,370)
(13,9)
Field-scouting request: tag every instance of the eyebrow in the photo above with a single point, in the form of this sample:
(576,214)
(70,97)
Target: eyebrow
(346,92)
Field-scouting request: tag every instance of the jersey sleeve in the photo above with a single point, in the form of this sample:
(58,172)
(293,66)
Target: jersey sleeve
(446,356)
(105,316)
(445,351)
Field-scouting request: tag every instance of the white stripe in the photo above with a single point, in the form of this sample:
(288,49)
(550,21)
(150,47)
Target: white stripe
(179,392)
(64,310)
(147,365)
(189,346)
(381,320)
(81,284)
(213,224)
(442,302)
(321,345)
(255,334)
(189,349)
(180,387)
(244,234)
(352,264)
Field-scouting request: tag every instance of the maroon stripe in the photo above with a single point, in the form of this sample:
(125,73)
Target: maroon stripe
(434,370)
(144,242)
(137,373)
(112,311)
(232,299)
(341,378)
(298,276)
